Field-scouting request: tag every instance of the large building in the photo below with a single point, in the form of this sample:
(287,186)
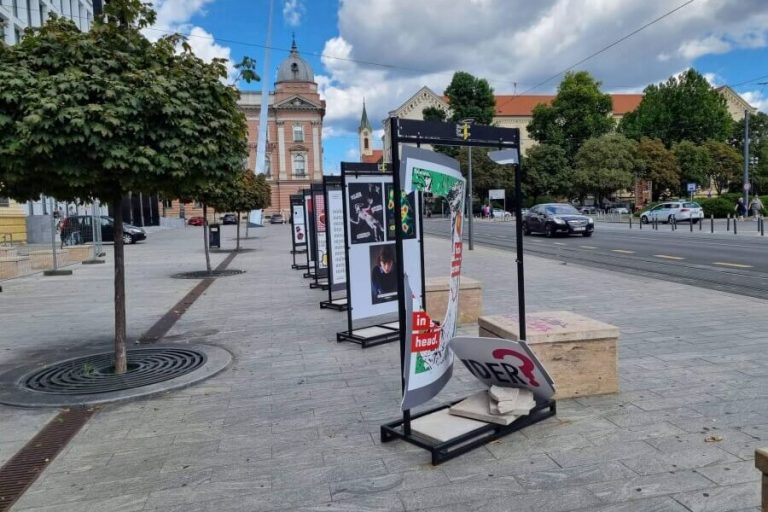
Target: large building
(15,16)
(294,151)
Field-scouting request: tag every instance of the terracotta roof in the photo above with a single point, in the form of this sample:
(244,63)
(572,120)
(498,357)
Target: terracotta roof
(522,105)
(376,157)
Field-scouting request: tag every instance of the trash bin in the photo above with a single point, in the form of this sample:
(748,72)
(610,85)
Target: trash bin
(214,235)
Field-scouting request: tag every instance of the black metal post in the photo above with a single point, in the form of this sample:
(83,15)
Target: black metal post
(630,221)
(395,141)
(690,221)
(735,230)
(728,224)
(762,226)
(711,222)
(519,243)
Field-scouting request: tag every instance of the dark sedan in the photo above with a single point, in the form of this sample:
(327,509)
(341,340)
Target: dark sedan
(557,218)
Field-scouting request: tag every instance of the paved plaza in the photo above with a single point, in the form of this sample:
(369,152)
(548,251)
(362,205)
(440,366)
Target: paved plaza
(293,423)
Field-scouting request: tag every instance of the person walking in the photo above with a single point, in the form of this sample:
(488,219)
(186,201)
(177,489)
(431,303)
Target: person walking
(755,207)
(741,208)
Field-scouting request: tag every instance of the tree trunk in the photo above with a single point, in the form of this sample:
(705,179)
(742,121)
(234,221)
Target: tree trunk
(237,246)
(120,355)
(205,239)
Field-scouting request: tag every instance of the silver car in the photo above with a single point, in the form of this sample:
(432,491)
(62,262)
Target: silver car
(673,211)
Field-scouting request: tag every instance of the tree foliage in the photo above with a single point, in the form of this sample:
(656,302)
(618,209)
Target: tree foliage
(433,114)
(604,165)
(685,107)
(658,164)
(758,147)
(470,97)
(694,162)
(546,171)
(97,114)
(725,164)
(579,112)
(486,174)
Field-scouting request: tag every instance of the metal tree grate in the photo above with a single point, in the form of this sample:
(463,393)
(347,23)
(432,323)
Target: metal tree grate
(202,274)
(22,469)
(95,374)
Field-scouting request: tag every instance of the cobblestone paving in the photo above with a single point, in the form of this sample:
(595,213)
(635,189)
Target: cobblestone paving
(293,423)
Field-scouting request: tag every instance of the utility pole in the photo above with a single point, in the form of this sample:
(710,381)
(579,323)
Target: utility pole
(746,158)
(465,134)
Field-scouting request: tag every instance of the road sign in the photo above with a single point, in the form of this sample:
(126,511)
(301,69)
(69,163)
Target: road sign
(496,193)
(691,187)
(747,186)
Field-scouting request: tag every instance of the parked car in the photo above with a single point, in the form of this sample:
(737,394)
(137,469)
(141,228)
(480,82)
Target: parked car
(555,218)
(77,229)
(620,210)
(229,218)
(277,218)
(676,211)
(196,221)
(588,210)
(498,213)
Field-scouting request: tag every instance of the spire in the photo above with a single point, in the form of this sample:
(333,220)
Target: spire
(294,48)
(364,123)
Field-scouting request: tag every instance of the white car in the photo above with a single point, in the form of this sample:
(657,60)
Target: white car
(498,213)
(619,210)
(677,211)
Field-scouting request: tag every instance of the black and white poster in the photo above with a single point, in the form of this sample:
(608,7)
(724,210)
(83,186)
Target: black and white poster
(383,274)
(321,258)
(366,212)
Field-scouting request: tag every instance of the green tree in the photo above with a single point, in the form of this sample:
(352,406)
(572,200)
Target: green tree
(433,114)
(725,164)
(685,107)
(579,111)
(659,165)
(605,165)
(546,171)
(470,97)
(758,147)
(250,192)
(694,162)
(97,114)
(485,173)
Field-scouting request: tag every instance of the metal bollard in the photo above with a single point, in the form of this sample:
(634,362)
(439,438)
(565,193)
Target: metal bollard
(757,218)
(735,230)
(728,223)
(690,221)
(711,222)
(630,222)
(762,226)
(701,221)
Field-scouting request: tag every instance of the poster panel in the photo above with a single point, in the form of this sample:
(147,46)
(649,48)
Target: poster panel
(505,363)
(428,364)
(299,229)
(372,268)
(321,258)
(335,227)
(310,224)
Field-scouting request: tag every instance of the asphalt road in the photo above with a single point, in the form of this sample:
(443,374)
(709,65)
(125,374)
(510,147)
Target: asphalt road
(721,261)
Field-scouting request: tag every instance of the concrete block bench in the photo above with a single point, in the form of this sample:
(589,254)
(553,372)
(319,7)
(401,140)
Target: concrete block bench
(470,299)
(761,463)
(579,353)
(14,266)
(43,259)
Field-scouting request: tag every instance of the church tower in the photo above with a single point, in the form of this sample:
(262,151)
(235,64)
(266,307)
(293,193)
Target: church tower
(364,133)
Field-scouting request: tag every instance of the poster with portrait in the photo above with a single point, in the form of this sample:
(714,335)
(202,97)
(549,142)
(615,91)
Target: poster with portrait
(428,363)
(371,257)
(407,211)
(321,258)
(366,212)
(298,227)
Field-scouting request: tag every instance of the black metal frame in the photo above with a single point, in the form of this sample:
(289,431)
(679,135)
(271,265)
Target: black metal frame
(295,200)
(393,331)
(310,273)
(409,131)
(338,303)
(320,275)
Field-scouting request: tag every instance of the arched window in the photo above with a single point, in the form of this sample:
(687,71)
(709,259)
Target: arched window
(298,133)
(298,165)
(267,167)
(365,143)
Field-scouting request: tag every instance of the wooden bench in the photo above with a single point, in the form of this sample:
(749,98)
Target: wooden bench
(579,353)
(761,463)
(470,299)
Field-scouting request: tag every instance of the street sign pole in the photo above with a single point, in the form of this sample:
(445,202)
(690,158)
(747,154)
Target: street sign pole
(746,158)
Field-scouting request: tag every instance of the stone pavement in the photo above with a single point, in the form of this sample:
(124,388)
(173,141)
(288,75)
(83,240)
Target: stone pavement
(293,423)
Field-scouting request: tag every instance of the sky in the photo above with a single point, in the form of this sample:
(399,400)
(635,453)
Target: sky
(383,51)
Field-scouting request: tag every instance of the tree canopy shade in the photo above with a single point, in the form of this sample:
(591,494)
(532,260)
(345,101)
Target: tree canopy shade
(433,114)
(97,114)
(725,164)
(685,107)
(694,162)
(545,171)
(248,192)
(470,97)
(604,165)
(579,111)
(658,164)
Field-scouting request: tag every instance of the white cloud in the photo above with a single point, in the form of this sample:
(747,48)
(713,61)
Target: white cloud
(517,44)
(293,11)
(757,99)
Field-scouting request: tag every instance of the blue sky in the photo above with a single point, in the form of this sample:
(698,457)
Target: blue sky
(515,44)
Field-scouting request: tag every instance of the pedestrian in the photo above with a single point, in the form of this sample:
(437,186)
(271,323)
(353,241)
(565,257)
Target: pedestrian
(755,207)
(741,209)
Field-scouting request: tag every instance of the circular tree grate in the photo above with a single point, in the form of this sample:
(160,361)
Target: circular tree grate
(95,374)
(202,274)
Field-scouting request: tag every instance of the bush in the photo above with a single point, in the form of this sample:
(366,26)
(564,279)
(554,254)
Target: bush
(717,206)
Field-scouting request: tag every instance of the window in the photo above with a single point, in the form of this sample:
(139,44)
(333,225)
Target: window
(267,167)
(5,202)
(15,4)
(29,13)
(365,143)
(167,203)
(298,133)
(298,165)
(43,13)
(198,204)
(3,23)
(17,34)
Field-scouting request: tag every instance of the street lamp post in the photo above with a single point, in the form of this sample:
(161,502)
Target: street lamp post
(465,125)
(746,158)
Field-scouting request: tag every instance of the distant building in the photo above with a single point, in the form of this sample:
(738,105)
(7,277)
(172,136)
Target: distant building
(365,134)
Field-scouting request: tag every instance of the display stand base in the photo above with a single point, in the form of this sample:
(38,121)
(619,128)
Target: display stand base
(371,336)
(340,304)
(309,275)
(442,451)
(320,283)
(299,267)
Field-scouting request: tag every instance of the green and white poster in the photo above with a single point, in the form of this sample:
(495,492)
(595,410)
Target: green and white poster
(428,364)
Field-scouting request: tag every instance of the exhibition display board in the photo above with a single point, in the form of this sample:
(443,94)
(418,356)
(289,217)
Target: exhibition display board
(336,256)
(309,223)
(318,222)
(370,229)
(298,230)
